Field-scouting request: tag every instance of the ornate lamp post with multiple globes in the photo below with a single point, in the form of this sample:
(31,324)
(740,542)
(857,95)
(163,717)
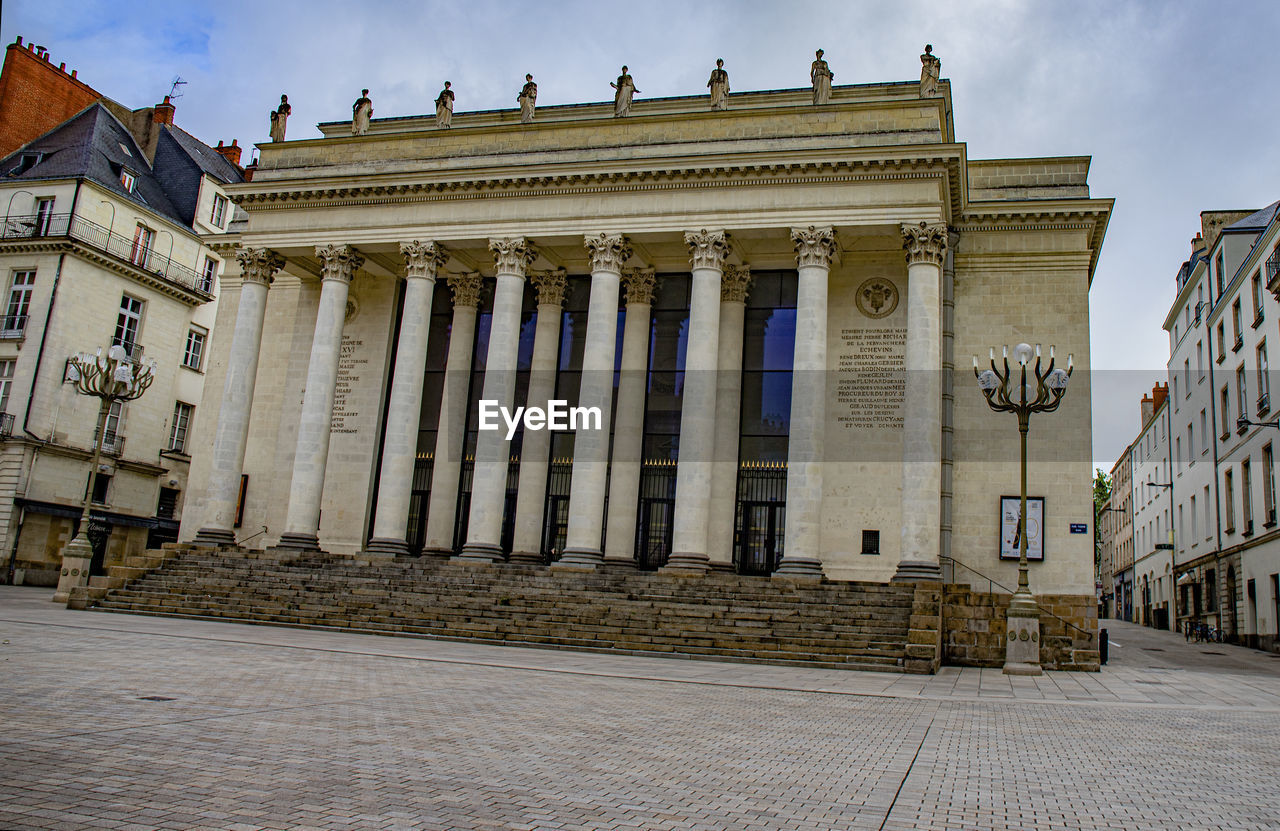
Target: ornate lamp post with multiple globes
(112,377)
(1009,391)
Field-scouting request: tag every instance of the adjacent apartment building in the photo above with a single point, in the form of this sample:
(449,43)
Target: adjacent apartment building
(104,242)
(1208,557)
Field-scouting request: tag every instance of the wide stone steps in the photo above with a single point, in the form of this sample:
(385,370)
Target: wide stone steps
(720,616)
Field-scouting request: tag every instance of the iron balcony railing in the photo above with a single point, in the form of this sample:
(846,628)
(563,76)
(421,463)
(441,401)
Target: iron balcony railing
(1273,265)
(112,443)
(6,426)
(13,327)
(35,226)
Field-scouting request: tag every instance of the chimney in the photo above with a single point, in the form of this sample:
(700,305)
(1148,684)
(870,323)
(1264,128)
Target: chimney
(1158,394)
(164,112)
(1148,409)
(1197,245)
(230,153)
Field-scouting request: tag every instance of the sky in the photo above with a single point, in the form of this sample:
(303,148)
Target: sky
(1175,102)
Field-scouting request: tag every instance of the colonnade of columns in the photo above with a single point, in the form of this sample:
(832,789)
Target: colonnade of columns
(706,471)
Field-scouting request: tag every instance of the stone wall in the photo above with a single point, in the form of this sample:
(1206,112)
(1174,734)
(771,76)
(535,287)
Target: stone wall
(973,629)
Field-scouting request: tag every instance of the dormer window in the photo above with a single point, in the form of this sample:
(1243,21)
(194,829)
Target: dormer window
(128,180)
(219,215)
(25,162)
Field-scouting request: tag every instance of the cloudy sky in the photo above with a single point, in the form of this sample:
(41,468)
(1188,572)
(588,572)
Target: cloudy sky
(1175,102)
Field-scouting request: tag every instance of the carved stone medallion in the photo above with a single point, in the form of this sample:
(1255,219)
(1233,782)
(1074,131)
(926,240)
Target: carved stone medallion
(877,298)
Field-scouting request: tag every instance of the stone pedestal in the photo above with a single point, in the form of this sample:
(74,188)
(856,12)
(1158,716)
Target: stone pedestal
(1022,651)
(628,421)
(258,267)
(698,413)
(446,464)
(591,446)
(400,441)
(535,452)
(302,523)
(493,450)
(925,246)
(815,248)
(76,558)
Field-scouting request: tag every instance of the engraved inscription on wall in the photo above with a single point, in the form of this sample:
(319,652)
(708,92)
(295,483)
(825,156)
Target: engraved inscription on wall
(346,409)
(870,380)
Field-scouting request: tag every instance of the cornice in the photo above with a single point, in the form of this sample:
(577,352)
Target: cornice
(942,161)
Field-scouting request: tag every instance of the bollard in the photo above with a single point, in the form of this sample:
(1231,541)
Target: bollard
(1103,644)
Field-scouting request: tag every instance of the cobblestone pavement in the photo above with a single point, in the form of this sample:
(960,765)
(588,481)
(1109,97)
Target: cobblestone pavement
(117,721)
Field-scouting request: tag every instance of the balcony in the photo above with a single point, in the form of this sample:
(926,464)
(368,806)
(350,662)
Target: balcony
(1273,273)
(1239,344)
(133,348)
(13,327)
(121,248)
(6,426)
(1264,403)
(112,443)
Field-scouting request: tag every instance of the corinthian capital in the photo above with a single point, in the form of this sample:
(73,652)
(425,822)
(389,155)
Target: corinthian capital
(550,286)
(422,260)
(814,245)
(924,242)
(639,283)
(735,284)
(339,262)
(608,252)
(466,288)
(707,249)
(259,265)
(512,256)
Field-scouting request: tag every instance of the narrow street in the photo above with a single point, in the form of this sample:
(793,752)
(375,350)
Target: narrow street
(1138,647)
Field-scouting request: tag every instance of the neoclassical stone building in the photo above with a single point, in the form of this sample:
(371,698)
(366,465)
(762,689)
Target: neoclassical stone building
(773,306)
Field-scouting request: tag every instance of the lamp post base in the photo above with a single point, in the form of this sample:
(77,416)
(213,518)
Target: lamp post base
(76,558)
(1022,644)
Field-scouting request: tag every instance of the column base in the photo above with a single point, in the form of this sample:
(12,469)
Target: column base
(74,573)
(799,568)
(482,552)
(581,558)
(214,537)
(387,547)
(686,563)
(917,571)
(1022,644)
(300,542)
(525,558)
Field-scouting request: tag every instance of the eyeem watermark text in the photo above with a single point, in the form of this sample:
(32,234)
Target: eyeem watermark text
(558,415)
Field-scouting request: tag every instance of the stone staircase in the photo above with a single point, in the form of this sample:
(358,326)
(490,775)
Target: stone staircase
(716,616)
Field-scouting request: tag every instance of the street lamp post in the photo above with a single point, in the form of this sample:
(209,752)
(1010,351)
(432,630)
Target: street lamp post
(112,377)
(1006,393)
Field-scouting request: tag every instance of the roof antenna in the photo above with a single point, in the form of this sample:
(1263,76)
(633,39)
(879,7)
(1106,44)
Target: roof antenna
(173,90)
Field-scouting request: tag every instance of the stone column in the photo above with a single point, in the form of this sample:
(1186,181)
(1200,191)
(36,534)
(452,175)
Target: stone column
(628,421)
(446,465)
(535,452)
(815,249)
(493,450)
(591,446)
(400,441)
(724,466)
(926,245)
(258,267)
(339,264)
(698,410)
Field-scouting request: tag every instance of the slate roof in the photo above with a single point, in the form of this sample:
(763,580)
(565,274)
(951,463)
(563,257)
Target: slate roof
(1256,221)
(95,145)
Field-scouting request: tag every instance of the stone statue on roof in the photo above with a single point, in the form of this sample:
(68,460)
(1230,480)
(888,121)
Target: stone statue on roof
(361,114)
(930,72)
(444,106)
(527,98)
(719,85)
(821,76)
(626,88)
(279,117)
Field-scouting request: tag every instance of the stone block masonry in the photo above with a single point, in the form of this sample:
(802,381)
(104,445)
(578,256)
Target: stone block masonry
(973,629)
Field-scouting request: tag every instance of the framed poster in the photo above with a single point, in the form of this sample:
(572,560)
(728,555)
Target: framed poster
(1009,543)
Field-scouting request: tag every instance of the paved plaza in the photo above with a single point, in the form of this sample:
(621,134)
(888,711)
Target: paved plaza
(118,721)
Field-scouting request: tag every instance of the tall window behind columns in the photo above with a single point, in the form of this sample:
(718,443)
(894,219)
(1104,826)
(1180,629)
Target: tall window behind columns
(768,347)
(429,421)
